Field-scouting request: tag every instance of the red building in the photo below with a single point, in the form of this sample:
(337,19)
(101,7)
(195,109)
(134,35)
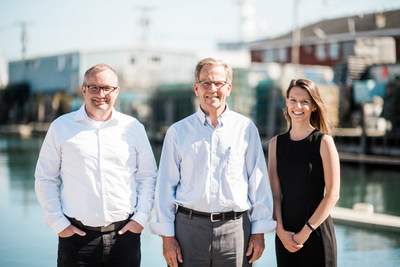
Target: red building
(332,41)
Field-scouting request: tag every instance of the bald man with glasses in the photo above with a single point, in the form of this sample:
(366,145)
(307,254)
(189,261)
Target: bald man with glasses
(95,178)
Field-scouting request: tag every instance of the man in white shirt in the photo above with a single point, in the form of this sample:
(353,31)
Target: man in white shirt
(212,178)
(95,178)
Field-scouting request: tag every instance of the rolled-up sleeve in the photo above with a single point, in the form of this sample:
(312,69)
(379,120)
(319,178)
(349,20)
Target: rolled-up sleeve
(259,190)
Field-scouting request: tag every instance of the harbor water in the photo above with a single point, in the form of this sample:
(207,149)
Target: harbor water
(26,241)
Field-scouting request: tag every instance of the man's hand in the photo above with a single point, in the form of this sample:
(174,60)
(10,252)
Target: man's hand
(70,231)
(256,247)
(132,226)
(171,251)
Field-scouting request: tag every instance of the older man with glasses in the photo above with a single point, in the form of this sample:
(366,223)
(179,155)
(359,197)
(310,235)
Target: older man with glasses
(213,198)
(95,178)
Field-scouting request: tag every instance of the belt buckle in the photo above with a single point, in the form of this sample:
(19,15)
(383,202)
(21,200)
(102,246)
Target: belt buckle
(108,228)
(212,217)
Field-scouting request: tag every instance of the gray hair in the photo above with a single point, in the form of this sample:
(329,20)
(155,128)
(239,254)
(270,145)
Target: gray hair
(213,62)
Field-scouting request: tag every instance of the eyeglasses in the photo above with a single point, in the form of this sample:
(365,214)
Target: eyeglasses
(208,84)
(94,89)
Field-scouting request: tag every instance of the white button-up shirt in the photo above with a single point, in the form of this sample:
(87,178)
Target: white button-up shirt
(213,170)
(98,173)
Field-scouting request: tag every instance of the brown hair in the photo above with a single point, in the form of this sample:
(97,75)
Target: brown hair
(318,118)
(213,62)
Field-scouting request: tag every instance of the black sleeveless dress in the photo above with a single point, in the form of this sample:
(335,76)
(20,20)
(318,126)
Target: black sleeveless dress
(301,176)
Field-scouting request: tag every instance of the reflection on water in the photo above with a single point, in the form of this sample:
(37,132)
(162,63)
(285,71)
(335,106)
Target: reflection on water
(375,185)
(26,241)
(362,247)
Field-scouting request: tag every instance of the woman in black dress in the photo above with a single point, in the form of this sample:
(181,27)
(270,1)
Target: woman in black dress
(304,169)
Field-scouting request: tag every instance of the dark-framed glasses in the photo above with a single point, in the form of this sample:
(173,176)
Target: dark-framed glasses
(94,89)
(217,84)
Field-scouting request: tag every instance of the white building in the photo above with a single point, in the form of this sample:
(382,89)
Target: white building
(141,69)
(138,68)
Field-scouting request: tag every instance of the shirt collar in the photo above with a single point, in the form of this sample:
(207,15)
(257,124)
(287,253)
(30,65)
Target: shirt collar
(82,115)
(221,119)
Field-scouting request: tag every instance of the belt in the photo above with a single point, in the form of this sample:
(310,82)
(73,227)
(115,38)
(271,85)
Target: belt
(214,216)
(109,228)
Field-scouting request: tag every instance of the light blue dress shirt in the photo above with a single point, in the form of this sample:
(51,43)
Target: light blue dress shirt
(211,169)
(98,173)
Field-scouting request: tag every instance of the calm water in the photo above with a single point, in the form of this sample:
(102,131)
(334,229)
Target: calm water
(26,241)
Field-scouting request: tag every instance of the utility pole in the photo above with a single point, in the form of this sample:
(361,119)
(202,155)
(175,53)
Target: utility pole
(248,20)
(296,35)
(145,22)
(24,38)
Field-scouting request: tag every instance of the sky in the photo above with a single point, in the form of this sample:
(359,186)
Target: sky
(55,26)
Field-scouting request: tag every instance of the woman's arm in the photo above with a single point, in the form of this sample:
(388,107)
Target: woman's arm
(331,165)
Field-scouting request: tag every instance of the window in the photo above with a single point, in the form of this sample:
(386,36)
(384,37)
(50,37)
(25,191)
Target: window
(155,59)
(348,49)
(269,56)
(334,50)
(282,55)
(32,64)
(321,53)
(61,62)
(74,61)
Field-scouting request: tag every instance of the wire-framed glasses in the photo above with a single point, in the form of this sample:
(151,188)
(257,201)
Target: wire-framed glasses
(208,84)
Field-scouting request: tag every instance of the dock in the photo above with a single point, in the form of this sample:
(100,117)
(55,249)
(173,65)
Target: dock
(25,130)
(369,159)
(40,128)
(365,219)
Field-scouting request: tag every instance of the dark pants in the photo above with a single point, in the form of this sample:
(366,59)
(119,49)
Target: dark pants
(99,249)
(220,244)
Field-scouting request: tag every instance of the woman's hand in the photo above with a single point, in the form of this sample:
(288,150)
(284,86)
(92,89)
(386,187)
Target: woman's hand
(300,237)
(287,240)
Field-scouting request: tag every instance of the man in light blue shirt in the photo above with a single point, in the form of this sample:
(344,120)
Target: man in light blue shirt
(95,178)
(212,178)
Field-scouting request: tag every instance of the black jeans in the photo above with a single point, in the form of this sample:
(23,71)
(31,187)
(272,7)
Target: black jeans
(99,249)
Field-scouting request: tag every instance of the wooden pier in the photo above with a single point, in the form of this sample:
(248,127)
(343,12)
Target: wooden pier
(25,130)
(366,219)
(369,159)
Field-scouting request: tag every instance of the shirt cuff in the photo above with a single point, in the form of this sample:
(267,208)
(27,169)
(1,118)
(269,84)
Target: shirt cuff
(263,227)
(162,228)
(140,217)
(60,224)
